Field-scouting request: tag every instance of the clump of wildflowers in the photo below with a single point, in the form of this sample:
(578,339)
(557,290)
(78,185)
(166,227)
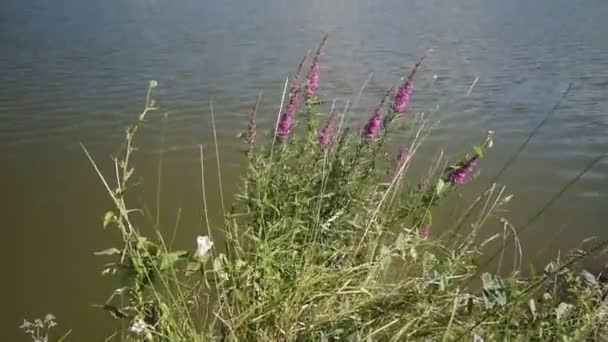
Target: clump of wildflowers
(39,329)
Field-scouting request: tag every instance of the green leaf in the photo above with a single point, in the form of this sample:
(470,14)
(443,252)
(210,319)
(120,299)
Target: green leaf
(440,187)
(495,293)
(109,251)
(478,150)
(168,260)
(192,268)
(114,311)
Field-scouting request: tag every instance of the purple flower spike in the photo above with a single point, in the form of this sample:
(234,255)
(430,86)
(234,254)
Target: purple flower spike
(402,97)
(287,118)
(312,82)
(286,121)
(372,127)
(461,174)
(326,136)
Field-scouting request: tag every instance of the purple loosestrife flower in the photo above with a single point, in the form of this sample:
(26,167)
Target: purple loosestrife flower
(326,135)
(462,173)
(402,97)
(372,127)
(312,81)
(287,118)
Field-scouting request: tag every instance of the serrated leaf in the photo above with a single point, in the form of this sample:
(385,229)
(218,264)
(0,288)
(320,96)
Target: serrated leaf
(109,251)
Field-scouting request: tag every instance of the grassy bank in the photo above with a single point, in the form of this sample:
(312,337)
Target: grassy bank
(331,239)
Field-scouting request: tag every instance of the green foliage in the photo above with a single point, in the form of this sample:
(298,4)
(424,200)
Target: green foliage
(322,245)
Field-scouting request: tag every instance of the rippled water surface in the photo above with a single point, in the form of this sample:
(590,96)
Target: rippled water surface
(75,71)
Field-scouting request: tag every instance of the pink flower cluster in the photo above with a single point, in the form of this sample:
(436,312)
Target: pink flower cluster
(287,118)
(372,127)
(312,81)
(402,97)
(462,173)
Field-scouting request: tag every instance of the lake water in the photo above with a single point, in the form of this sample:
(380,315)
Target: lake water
(76,71)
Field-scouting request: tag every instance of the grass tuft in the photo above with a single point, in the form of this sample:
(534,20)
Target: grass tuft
(332,243)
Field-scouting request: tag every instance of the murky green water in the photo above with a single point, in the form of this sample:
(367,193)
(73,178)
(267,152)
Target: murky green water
(76,71)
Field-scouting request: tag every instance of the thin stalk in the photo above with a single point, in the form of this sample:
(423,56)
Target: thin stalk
(217,157)
(160,167)
(276,126)
(207,216)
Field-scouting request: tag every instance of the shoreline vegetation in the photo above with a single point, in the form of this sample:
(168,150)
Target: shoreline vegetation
(331,239)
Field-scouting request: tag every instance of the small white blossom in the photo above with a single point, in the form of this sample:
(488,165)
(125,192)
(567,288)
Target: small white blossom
(562,310)
(26,324)
(153,84)
(138,326)
(204,244)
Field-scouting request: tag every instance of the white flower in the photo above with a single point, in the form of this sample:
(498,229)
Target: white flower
(153,84)
(204,244)
(138,326)
(49,317)
(562,310)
